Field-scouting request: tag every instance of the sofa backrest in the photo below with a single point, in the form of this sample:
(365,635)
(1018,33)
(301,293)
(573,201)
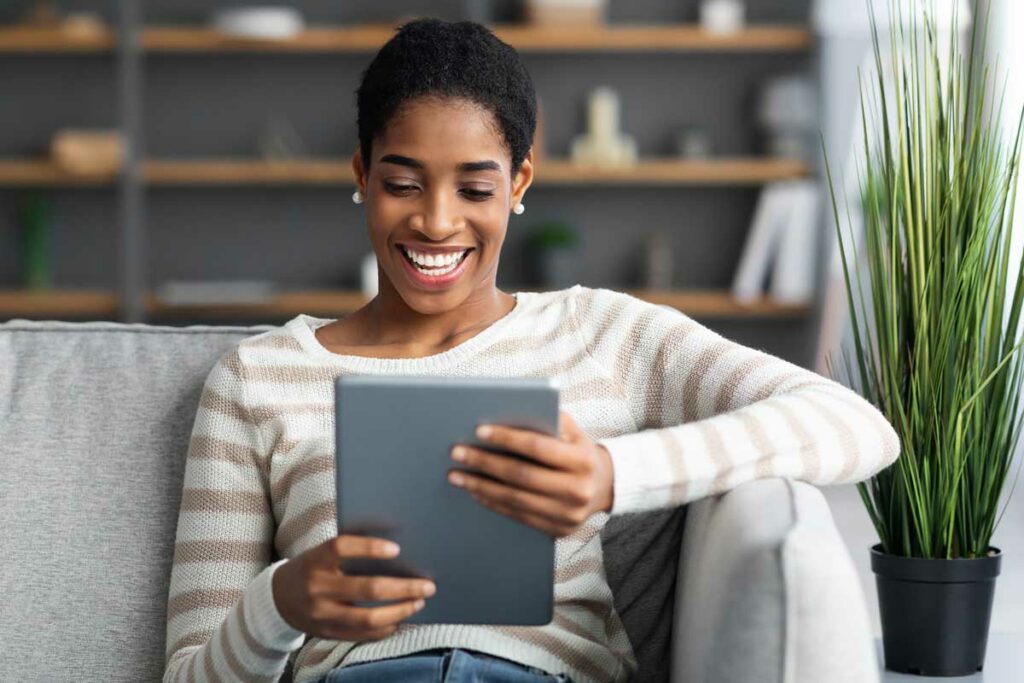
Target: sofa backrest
(95,420)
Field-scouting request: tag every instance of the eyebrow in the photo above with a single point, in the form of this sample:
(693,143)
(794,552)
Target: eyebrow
(463,167)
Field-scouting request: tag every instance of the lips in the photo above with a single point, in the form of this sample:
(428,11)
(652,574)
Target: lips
(429,282)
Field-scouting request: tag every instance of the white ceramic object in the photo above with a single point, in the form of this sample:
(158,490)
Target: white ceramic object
(368,275)
(722,17)
(265,23)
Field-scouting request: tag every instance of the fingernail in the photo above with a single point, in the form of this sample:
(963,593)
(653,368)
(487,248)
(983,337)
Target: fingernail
(483,431)
(456,478)
(391,548)
(459,453)
(419,604)
(429,589)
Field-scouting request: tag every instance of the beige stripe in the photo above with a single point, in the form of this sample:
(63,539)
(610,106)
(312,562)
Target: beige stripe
(197,599)
(193,662)
(253,645)
(225,550)
(636,336)
(307,467)
(314,655)
(680,490)
(193,639)
(284,373)
(208,670)
(584,563)
(516,345)
(215,500)
(759,436)
(851,451)
(566,367)
(590,389)
(222,405)
(236,666)
(693,389)
(282,341)
(727,389)
(770,389)
(654,415)
(812,459)
(211,448)
(239,671)
(294,528)
(571,626)
(283,446)
(719,456)
(264,413)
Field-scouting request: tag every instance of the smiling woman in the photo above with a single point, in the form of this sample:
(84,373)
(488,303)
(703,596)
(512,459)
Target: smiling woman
(657,411)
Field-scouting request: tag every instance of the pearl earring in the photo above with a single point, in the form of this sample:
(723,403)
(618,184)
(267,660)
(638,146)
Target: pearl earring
(357,197)
(518,208)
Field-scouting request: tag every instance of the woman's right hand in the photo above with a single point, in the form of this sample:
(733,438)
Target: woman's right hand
(313,595)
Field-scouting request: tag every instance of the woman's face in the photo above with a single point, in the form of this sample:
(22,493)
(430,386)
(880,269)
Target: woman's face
(440,184)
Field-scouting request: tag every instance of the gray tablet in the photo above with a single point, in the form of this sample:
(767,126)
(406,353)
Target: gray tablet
(394,437)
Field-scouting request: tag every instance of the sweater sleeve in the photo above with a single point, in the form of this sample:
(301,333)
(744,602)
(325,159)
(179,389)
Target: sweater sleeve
(713,414)
(222,623)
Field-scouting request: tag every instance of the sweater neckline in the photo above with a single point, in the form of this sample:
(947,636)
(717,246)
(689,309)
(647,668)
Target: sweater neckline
(304,326)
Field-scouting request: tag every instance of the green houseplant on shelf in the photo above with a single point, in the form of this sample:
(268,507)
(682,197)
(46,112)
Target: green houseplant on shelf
(936,337)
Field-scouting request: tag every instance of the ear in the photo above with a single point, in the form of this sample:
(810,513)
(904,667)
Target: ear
(359,169)
(523,179)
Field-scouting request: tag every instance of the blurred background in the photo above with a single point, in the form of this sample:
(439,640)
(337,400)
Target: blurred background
(187,161)
(184,161)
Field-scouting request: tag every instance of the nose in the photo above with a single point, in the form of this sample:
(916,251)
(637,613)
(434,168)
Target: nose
(439,217)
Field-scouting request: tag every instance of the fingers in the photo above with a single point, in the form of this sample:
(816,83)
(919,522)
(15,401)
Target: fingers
(544,449)
(363,620)
(349,545)
(356,588)
(517,472)
(555,512)
(538,522)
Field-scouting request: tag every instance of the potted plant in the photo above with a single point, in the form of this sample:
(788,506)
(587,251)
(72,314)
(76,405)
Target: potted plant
(554,249)
(936,340)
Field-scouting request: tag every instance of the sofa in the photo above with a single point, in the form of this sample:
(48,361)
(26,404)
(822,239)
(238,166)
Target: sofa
(95,417)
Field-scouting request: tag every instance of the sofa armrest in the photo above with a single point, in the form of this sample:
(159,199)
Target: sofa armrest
(767,591)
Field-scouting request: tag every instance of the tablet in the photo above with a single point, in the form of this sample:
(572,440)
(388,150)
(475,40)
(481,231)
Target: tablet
(394,437)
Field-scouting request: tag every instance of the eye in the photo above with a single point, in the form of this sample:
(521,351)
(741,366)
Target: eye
(398,189)
(478,195)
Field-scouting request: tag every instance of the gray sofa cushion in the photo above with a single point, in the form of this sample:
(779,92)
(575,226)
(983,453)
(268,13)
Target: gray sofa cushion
(95,420)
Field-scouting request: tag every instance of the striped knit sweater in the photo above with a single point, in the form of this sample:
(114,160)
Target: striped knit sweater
(684,412)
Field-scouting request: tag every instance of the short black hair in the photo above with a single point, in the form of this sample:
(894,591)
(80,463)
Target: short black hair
(462,59)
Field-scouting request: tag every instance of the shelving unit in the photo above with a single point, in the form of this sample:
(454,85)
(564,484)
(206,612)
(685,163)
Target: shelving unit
(200,172)
(368,38)
(699,303)
(133,301)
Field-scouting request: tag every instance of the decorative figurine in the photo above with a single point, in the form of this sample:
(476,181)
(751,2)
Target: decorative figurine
(603,144)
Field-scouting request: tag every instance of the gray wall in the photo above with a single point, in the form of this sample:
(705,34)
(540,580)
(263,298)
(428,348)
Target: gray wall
(216,105)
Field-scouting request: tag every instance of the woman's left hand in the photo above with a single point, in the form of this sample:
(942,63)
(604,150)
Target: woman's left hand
(558,484)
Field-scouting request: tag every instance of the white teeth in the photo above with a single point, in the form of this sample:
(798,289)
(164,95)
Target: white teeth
(432,260)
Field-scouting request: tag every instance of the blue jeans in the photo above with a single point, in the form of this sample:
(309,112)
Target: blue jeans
(452,665)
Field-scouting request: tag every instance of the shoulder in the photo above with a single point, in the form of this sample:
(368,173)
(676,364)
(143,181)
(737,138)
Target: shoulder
(602,313)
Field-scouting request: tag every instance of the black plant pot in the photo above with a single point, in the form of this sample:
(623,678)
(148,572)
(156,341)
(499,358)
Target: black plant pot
(935,613)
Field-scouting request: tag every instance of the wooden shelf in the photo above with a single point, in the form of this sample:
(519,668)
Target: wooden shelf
(611,38)
(248,172)
(17,303)
(369,37)
(740,171)
(15,38)
(31,173)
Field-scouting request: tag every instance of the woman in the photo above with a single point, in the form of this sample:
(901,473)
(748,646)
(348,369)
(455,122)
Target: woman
(658,411)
